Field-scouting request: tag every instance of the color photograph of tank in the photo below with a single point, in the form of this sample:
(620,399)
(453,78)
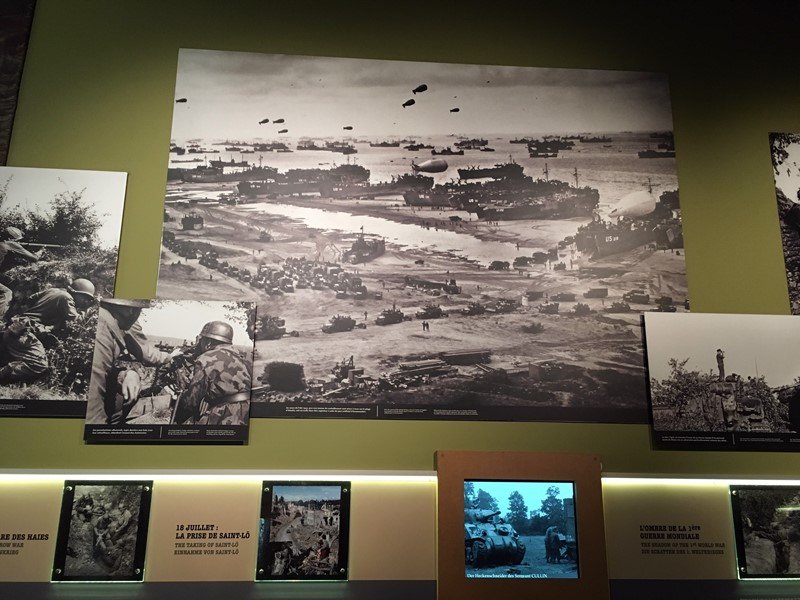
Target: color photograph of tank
(105,534)
(723,381)
(520,530)
(304,531)
(428,241)
(167,370)
(59,238)
(767,526)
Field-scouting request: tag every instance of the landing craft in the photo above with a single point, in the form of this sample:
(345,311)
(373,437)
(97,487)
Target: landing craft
(284,131)
(348,128)
(409,102)
(435,165)
(419,89)
(276,121)
(455,110)
(181,100)
(262,121)
(635,204)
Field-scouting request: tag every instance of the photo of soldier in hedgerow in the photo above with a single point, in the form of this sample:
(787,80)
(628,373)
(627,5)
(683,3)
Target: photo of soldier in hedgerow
(724,382)
(103,531)
(59,239)
(173,371)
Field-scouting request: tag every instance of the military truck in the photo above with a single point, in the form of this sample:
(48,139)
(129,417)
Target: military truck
(390,316)
(548,308)
(563,297)
(267,327)
(636,297)
(473,308)
(489,540)
(430,311)
(339,323)
(192,221)
(596,293)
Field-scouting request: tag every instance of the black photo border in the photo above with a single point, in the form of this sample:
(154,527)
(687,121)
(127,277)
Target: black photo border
(741,555)
(59,560)
(263,560)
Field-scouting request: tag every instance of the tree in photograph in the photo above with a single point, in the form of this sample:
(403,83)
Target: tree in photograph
(553,507)
(469,494)
(484,500)
(517,514)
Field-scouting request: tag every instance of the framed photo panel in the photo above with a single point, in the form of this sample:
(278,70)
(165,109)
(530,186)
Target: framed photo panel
(767,527)
(532,526)
(304,530)
(102,533)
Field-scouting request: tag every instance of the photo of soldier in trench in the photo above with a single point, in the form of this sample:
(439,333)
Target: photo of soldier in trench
(59,232)
(103,532)
(176,363)
(767,524)
(304,532)
(535,537)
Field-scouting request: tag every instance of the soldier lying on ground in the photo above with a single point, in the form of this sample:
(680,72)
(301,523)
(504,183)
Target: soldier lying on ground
(116,383)
(22,352)
(219,390)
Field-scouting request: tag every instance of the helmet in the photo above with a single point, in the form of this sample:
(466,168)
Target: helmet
(13,233)
(218,330)
(82,286)
(124,302)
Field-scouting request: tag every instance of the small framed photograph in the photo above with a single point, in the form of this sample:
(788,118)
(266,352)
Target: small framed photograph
(102,533)
(766,522)
(515,524)
(304,530)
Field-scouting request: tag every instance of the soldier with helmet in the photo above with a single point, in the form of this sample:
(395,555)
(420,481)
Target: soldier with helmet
(115,384)
(12,252)
(23,355)
(219,390)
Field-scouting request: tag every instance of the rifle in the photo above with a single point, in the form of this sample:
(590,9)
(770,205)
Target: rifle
(42,245)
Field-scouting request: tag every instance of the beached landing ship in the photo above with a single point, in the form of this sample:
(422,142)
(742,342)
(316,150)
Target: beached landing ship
(364,249)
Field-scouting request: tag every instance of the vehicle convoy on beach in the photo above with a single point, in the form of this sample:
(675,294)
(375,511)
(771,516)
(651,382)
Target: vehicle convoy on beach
(349,253)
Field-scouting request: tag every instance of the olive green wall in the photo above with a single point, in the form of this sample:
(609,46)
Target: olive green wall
(97,93)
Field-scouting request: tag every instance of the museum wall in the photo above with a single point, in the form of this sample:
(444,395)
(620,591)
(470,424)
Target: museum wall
(97,93)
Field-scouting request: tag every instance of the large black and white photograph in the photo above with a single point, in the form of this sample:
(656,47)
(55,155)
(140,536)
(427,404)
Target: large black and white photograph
(520,530)
(428,241)
(785,150)
(304,530)
(171,371)
(767,527)
(103,531)
(59,239)
(724,381)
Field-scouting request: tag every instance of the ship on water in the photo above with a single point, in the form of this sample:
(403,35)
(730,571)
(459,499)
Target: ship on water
(594,140)
(448,151)
(471,144)
(499,171)
(229,163)
(656,153)
(304,181)
(384,144)
(511,195)
(661,226)
(201,174)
